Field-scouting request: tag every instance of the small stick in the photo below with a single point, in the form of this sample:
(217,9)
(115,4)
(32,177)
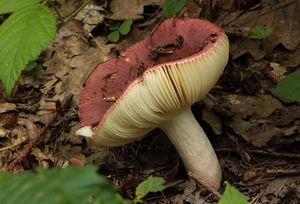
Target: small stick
(35,137)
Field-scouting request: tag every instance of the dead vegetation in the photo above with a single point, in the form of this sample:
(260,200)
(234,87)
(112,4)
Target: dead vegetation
(256,135)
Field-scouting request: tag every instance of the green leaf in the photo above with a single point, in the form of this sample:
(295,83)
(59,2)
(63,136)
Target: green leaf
(289,87)
(5,176)
(125,27)
(232,196)
(8,6)
(151,184)
(114,36)
(71,185)
(171,7)
(260,32)
(22,38)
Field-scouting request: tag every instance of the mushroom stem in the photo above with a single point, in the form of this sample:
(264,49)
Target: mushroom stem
(194,148)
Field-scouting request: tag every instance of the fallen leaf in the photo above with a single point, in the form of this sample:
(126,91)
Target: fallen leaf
(129,9)
(5,107)
(90,16)
(286,28)
(213,120)
(259,106)
(256,132)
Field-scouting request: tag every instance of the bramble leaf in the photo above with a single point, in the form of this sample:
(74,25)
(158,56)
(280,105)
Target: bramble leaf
(232,195)
(171,7)
(151,184)
(23,36)
(74,185)
(289,87)
(5,176)
(8,6)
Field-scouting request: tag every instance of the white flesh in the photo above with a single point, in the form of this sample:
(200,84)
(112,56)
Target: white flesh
(194,148)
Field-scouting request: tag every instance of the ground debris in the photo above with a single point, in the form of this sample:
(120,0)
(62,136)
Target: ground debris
(255,135)
(130,10)
(269,14)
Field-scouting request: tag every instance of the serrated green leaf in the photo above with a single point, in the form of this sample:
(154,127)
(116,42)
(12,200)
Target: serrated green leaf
(71,185)
(114,36)
(22,38)
(125,27)
(5,176)
(8,6)
(289,87)
(260,32)
(232,196)
(151,184)
(171,7)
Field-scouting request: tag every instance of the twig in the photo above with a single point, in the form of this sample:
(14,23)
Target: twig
(35,136)
(8,147)
(283,172)
(70,17)
(272,153)
(282,5)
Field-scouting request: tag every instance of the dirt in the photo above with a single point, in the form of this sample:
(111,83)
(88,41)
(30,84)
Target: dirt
(256,136)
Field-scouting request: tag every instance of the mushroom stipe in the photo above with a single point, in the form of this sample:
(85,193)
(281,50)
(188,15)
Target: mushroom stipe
(153,85)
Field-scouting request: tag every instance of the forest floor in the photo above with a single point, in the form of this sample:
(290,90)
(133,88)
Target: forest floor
(256,135)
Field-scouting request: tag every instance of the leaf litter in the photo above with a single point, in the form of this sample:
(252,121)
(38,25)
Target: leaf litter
(255,134)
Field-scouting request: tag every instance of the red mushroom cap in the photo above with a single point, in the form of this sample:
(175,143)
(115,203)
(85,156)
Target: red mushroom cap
(173,41)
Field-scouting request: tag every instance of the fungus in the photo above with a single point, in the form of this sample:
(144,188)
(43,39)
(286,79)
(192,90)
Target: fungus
(153,85)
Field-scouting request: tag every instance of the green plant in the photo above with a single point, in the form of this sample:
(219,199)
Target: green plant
(171,7)
(289,87)
(232,196)
(23,35)
(71,185)
(151,184)
(118,29)
(78,185)
(260,32)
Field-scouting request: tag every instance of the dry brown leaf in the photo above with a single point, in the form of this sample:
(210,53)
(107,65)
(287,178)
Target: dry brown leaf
(213,120)
(44,158)
(287,58)
(258,133)
(129,9)
(8,120)
(278,188)
(72,60)
(259,106)
(4,107)
(90,16)
(282,16)
(257,119)
(67,7)
(190,193)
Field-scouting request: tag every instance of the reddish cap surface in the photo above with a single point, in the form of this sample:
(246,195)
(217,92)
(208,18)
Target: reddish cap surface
(174,40)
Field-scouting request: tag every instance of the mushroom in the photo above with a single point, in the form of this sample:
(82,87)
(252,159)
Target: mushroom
(153,85)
